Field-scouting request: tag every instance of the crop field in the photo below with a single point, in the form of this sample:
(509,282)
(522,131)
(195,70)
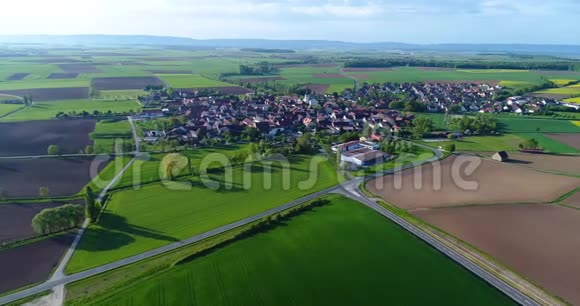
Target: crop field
(569,90)
(31,263)
(530,125)
(562,82)
(489,183)
(34,137)
(573,100)
(51,94)
(142,219)
(125,83)
(560,163)
(109,133)
(9,108)
(23,178)
(43,84)
(112,95)
(49,110)
(572,140)
(16,220)
(393,267)
(191,81)
(506,142)
(416,74)
(537,241)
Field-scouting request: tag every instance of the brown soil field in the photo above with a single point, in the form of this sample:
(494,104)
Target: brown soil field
(17,76)
(16,219)
(477,82)
(51,94)
(63,76)
(571,139)
(318,88)
(573,200)
(227,90)
(22,178)
(330,76)
(492,183)
(557,163)
(539,242)
(366,69)
(549,96)
(34,137)
(122,83)
(31,263)
(78,68)
(262,80)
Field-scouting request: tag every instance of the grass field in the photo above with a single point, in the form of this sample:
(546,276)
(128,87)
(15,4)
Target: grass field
(48,110)
(138,220)
(318,258)
(46,83)
(510,78)
(549,144)
(516,84)
(112,95)
(569,90)
(530,125)
(573,100)
(562,82)
(506,142)
(191,81)
(8,108)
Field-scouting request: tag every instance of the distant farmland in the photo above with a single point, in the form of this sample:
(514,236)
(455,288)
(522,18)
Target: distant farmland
(317,258)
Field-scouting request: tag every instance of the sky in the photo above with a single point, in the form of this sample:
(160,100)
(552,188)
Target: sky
(412,21)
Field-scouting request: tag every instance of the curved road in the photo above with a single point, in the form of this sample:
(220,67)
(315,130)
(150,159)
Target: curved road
(350,189)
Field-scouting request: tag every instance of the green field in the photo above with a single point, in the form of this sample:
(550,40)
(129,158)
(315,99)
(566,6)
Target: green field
(549,144)
(515,78)
(507,142)
(8,108)
(573,100)
(49,110)
(112,95)
(531,125)
(570,90)
(108,133)
(321,257)
(46,83)
(138,220)
(191,81)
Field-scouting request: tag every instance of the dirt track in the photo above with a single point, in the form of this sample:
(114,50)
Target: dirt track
(573,200)
(31,263)
(572,139)
(495,183)
(34,137)
(22,178)
(16,219)
(538,241)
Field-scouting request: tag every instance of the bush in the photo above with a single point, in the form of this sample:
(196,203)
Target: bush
(58,219)
(449,147)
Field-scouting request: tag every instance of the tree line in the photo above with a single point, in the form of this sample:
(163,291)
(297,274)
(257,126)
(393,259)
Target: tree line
(386,63)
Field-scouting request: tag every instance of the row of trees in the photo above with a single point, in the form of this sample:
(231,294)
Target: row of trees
(481,124)
(262,68)
(58,219)
(415,62)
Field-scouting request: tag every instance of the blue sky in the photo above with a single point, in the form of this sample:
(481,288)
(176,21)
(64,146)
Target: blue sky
(416,21)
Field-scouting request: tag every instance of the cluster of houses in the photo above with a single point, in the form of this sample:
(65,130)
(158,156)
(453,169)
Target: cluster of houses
(463,97)
(214,117)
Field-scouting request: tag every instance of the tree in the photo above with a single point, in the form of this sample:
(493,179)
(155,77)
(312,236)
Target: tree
(532,144)
(58,219)
(89,150)
(304,144)
(422,125)
(415,106)
(251,134)
(53,150)
(91,210)
(44,192)
(450,147)
(172,165)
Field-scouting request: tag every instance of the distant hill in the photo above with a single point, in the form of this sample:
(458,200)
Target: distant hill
(263,44)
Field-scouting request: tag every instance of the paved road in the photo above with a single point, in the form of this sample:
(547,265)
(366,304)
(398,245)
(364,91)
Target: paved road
(349,189)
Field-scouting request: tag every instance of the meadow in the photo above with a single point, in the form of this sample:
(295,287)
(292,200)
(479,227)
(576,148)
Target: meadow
(43,83)
(532,125)
(140,219)
(317,258)
(191,81)
(506,142)
(49,110)
(9,108)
